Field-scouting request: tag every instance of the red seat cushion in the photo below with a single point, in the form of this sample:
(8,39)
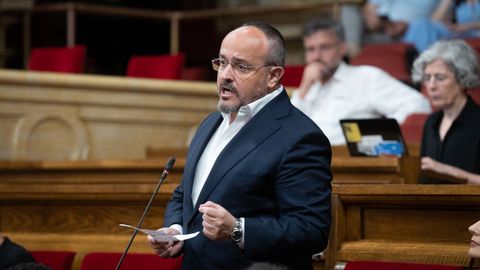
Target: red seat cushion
(58,59)
(133,261)
(393,58)
(475,94)
(156,66)
(474,43)
(195,73)
(57,260)
(293,75)
(412,127)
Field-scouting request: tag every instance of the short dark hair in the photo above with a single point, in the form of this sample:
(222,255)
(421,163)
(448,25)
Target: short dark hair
(278,51)
(320,24)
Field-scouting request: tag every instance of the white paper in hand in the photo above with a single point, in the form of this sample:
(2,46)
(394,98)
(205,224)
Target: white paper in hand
(160,236)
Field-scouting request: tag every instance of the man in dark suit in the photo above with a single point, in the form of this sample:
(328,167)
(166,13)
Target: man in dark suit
(257,178)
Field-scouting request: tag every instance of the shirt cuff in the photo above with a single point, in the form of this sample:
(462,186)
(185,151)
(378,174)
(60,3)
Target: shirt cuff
(177,227)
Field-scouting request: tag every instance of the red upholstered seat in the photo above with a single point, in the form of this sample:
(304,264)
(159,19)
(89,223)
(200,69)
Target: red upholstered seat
(475,94)
(474,43)
(293,75)
(412,127)
(195,73)
(395,58)
(58,59)
(365,265)
(133,261)
(156,66)
(57,260)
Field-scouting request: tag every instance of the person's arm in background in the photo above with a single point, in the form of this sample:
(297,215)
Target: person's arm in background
(372,18)
(449,172)
(375,14)
(443,12)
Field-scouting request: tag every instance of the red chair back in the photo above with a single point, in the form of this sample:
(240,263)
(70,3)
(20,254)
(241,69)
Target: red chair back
(195,73)
(412,127)
(133,261)
(365,265)
(394,58)
(57,260)
(58,59)
(156,66)
(293,75)
(474,43)
(475,94)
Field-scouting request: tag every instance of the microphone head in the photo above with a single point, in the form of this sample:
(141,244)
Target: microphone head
(170,163)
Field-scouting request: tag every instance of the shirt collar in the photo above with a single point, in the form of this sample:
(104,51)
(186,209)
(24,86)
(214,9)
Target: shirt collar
(340,72)
(249,110)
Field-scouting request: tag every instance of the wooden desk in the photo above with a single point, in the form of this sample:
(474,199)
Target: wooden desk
(345,169)
(404,223)
(77,205)
(375,170)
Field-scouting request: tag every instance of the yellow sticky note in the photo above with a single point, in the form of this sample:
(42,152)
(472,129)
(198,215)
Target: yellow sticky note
(352,132)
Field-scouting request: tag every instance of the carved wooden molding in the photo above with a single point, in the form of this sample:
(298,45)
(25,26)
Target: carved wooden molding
(28,127)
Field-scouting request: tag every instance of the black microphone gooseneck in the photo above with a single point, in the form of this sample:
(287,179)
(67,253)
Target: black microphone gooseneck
(166,171)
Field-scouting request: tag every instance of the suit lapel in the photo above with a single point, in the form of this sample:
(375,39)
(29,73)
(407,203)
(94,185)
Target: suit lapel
(257,130)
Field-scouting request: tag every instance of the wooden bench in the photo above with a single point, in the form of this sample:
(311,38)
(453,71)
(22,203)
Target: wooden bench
(403,223)
(51,116)
(77,205)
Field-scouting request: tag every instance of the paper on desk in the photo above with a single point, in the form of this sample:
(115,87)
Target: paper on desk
(160,236)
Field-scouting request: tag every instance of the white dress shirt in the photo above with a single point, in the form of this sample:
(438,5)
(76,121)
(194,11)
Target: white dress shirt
(358,92)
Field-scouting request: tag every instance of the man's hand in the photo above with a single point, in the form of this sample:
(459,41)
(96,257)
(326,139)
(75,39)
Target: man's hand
(217,223)
(312,73)
(166,249)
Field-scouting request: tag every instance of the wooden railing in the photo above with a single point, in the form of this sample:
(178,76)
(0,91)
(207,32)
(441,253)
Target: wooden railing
(77,205)
(403,223)
(51,116)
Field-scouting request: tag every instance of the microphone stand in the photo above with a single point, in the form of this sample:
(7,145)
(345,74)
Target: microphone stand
(166,171)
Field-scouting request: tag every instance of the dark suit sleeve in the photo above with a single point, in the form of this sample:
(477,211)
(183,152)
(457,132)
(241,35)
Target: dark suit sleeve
(174,210)
(302,189)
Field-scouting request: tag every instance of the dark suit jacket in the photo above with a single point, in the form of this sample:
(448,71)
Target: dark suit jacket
(276,174)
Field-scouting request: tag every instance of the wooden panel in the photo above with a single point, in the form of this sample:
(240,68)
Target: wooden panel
(77,205)
(404,223)
(48,116)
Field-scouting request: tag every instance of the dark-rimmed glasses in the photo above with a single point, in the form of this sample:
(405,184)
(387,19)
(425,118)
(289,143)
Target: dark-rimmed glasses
(240,69)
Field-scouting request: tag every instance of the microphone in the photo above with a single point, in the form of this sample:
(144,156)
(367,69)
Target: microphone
(166,171)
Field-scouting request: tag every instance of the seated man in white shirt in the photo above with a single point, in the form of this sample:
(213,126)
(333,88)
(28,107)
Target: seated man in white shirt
(331,90)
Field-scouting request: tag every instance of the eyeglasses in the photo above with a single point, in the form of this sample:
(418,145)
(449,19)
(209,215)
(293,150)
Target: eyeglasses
(436,78)
(240,69)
